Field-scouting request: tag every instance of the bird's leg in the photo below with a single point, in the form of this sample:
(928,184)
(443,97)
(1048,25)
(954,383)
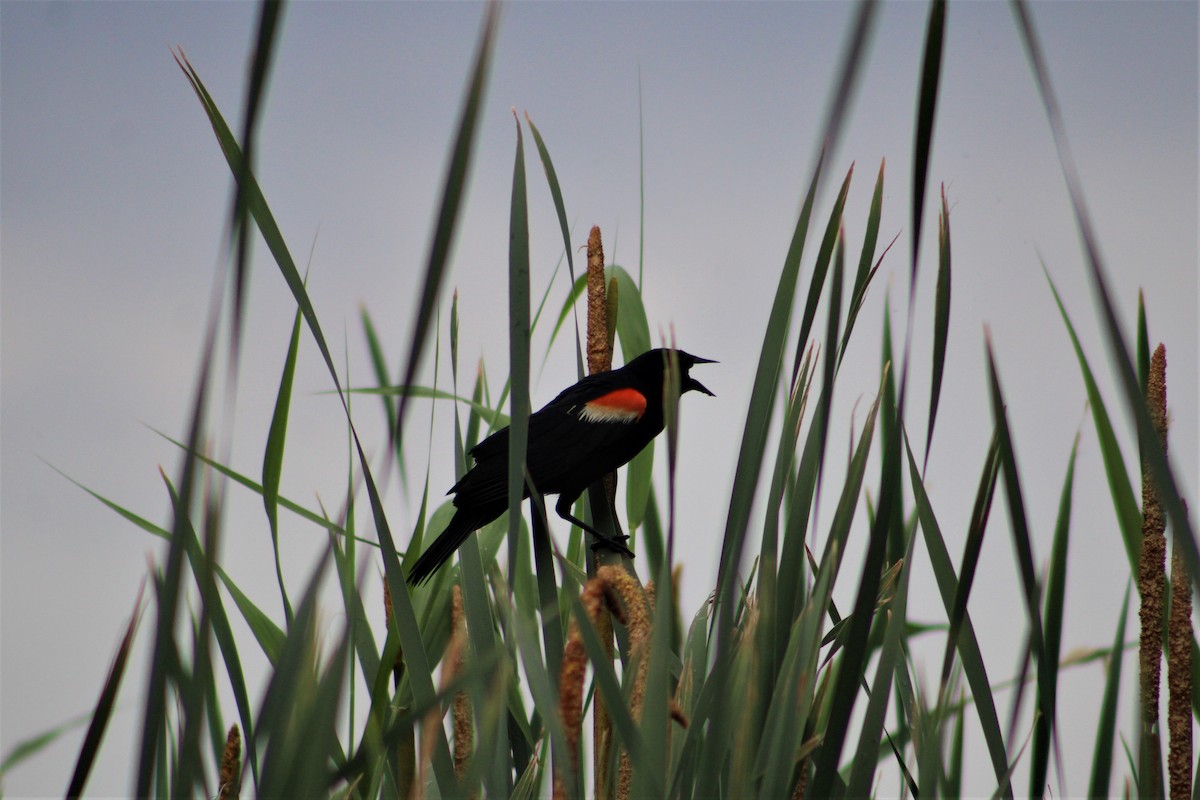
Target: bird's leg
(563,509)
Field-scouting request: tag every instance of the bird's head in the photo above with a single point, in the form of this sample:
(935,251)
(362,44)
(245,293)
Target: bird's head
(659,360)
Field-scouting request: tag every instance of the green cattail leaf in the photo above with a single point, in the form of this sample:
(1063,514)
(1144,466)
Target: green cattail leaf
(242,480)
(1129,515)
(941,320)
(577,285)
(829,242)
(612,304)
(518,345)
(1106,725)
(931,69)
(380,369)
(1169,495)
(966,641)
(1019,529)
(1143,344)
(862,278)
(273,457)
(633,330)
(492,416)
(890,657)
(971,550)
(1056,588)
(100,716)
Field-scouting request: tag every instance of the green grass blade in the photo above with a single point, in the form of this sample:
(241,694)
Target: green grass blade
(829,242)
(1046,726)
(862,278)
(518,348)
(954,772)
(99,718)
(1143,345)
(941,320)
(633,330)
(865,757)
(967,642)
(492,416)
(270,636)
(27,748)
(931,69)
(273,457)
(750,456)
(1106,725)
(1129,515)
(237,477)
(169,587)
(269,20)
(560,209)
(215,617)
(845,689)
(1019,528)
(1181,528)
(452,193)
(974,546)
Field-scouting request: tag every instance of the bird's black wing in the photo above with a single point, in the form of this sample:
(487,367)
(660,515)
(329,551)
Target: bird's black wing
(564,450)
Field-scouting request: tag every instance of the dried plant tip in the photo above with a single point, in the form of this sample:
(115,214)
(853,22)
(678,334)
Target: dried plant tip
(231,766)
(677,713)
(1156,392)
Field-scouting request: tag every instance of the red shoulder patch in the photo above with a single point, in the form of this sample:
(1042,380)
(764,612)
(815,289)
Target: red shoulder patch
(620,405)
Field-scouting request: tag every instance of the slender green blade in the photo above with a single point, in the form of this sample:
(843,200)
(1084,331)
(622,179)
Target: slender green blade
(1045,726)
(941,320)
(1153,452)
(99,718)
(273,457)
(518,348)
(863,769)
(931,69)
(560,209)
(1129,515)
(1106,725)
(966,641)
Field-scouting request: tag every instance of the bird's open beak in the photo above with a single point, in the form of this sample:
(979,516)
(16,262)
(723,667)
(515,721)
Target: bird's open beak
(692,383)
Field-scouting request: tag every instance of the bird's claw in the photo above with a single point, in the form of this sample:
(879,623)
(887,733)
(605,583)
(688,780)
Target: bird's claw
(613,542)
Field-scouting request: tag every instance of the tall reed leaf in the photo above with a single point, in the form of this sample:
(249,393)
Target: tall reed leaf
(1160,468)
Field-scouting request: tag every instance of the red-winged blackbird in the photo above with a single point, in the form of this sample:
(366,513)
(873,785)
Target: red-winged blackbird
(589,430)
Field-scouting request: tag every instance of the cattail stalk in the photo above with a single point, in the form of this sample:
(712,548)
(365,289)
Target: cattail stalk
(594,599)
(1152,579)
(464,731)
(231,766)
(599,352)
(638,620)
(1179,679)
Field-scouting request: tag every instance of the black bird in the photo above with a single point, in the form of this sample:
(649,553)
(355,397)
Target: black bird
(589,430)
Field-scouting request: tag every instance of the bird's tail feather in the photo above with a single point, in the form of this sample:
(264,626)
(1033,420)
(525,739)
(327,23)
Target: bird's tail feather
(464,522)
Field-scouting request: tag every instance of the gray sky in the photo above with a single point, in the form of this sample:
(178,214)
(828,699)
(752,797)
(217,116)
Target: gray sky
(114,195)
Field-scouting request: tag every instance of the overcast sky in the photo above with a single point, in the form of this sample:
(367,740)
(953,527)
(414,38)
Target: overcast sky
(114,196)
